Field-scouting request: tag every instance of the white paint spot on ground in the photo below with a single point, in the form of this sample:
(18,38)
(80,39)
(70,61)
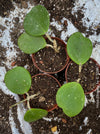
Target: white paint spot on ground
(97,98)
(56,24)
(96,53)
(89,132)
(47,119)
(92,98)
(69,31)
(12,124)
(91,10)
(86,120)
(86,101)
(11,55)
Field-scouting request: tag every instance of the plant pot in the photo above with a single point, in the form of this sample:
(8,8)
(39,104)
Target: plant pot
(47,85)
(89,82)
(48,61)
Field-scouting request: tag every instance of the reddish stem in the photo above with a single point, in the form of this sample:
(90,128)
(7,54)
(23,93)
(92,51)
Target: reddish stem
(54,107)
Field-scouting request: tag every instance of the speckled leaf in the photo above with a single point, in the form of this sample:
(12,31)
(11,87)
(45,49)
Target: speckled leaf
(79,48)
(37,21)
(34,114)
(29,44)
(70,97)
(18,80)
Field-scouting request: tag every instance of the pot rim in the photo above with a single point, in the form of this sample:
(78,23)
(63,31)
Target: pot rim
(55,105)
(67,58)
(96,84)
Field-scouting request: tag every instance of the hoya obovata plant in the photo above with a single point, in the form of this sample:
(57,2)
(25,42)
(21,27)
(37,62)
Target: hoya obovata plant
(70,96)
(36,24)
(79,49)
(18,80)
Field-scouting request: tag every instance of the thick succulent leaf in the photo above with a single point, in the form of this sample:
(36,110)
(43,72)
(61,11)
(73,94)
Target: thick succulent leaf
(79,48)
(70,97)
(18,80)
(37,21)
(29,44)
(34,114)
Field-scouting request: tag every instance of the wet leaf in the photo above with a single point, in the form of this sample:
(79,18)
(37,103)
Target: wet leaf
(79,48)
(29,44)
(70,97)
(37,21)
(34,114)
(18,80)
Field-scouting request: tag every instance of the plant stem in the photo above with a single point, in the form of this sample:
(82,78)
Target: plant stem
(49,37)
(48,45)
(18,103)
(78,80)
(54,44)
(27,99)
(80,69)
(28,104)
(54,107)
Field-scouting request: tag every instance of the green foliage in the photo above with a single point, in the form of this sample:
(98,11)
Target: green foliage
(79,48)
(18,80)
(37,21)
(70,97)
(34,114)
(30,44)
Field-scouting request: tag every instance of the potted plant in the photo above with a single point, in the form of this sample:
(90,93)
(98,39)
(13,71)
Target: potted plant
(48,54)
(41,89)
(79,50)
(70,97)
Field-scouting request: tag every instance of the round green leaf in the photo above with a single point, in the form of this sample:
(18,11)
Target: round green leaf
(34,114)
(70,97)
(18,80)
(37,21)
(29,44)
(79,48)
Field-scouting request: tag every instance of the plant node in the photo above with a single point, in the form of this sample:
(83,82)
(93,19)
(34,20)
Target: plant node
(27,99)
(28,104)
(78,80)
(54,44)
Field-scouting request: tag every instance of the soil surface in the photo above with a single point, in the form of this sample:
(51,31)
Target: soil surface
(47,86)
(48,60)
(59,9)
(68,125)
(5,7)
(89,76)
(6,102)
